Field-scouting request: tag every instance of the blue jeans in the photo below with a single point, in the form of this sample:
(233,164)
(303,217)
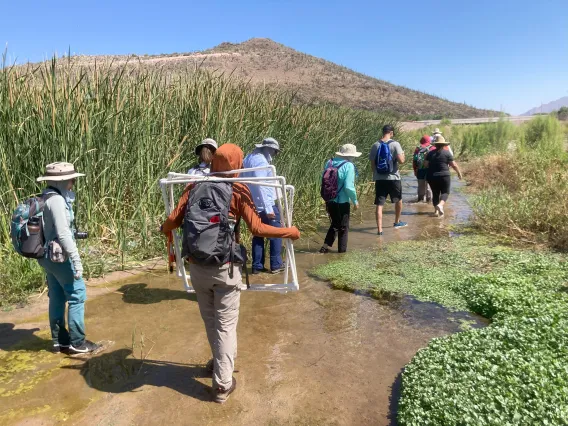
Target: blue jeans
(275,245)
(64,288)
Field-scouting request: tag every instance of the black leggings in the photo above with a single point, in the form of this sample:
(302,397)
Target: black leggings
(440,188)
(339,215)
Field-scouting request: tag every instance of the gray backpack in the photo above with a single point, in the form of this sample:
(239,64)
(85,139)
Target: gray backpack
(208,234)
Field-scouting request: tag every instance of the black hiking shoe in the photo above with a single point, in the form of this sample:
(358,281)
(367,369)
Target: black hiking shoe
(277,271)
(221,395)
(259,271)
(58,348)
(324,250)
(86,347)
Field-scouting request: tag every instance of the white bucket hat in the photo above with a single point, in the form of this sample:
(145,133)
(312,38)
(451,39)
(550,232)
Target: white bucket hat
(206,142)
(59,171)
(348,150)
(269,143)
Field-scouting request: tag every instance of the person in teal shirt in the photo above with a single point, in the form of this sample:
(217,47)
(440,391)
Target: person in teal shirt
(339,209)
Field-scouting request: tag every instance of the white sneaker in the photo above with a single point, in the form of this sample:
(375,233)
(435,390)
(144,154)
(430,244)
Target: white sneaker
(440,209)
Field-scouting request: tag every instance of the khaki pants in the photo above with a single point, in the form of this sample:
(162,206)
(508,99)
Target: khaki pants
(219,299)
(424,190)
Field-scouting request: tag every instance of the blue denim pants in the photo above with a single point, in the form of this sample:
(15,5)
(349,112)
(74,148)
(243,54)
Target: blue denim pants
(64,288)
(258,254)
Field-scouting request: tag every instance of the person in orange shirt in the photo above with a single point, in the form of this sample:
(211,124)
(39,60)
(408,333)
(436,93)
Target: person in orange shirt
(218,292)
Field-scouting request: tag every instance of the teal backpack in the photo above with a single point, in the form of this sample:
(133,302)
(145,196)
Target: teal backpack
(26,229)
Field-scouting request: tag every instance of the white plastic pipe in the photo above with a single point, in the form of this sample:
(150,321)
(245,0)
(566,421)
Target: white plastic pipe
(286,209)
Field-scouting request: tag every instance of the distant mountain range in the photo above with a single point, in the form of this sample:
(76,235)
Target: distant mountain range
(549,107)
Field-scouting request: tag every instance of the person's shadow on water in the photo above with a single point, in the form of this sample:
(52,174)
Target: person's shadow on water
(118,372)
(141,294)
(12,339)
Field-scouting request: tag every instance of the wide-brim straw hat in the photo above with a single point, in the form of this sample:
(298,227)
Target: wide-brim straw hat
(206,142)
(59,172)
(348,150)
(440,140)
(269,143)
(437,131)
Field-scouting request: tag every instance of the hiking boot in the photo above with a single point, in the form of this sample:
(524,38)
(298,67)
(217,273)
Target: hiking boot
(221,395)
(400,224)
(85,348)
(277,271)
(380,233)
(323,250)
(58,348)
(210,366)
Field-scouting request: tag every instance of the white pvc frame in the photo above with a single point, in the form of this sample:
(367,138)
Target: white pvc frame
(285,204)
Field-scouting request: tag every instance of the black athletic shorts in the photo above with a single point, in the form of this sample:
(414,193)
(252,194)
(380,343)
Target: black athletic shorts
(384,188)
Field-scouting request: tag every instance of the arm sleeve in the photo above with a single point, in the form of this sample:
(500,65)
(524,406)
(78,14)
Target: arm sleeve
(254,223)
(450,157)
(349,187)
(373,152)
(58,209)
(175,219)
(397,148)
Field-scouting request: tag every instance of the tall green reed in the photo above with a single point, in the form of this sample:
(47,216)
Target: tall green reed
(125,127)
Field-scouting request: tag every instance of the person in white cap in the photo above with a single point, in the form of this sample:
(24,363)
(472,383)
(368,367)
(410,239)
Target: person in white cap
(265,201)
(62,263)
(339,208)
(204,152)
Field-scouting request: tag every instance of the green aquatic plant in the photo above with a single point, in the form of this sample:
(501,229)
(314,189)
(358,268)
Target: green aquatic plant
(513,372)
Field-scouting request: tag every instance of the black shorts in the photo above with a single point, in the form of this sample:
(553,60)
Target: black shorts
(392,188)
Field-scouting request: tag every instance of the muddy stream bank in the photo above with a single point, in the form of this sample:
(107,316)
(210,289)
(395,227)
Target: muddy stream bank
(318,356)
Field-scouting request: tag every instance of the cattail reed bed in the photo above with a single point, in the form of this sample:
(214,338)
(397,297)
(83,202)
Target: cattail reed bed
(126,127)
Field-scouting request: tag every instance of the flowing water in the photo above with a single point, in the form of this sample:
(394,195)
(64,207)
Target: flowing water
(317,356)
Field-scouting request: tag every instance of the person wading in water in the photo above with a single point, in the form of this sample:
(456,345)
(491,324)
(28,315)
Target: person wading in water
(438,163)
(217,284)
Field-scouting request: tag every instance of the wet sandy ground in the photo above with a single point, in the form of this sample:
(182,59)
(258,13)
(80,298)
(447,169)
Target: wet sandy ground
(318,356)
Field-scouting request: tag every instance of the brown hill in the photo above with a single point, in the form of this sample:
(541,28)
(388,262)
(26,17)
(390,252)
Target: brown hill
(315,80)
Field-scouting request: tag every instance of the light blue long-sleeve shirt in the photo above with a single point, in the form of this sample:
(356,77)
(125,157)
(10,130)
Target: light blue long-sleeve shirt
(346,181)
(264,196)
(58,219)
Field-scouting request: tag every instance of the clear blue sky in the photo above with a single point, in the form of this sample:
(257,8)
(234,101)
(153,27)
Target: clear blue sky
(498,54)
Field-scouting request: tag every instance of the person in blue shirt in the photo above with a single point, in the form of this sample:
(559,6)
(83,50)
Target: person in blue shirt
(265,200)
(339,208)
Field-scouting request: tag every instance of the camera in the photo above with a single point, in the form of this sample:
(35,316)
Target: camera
(79,235)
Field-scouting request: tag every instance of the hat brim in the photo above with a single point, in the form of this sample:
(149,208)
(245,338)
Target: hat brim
(59,178)
(355,154)
(259,145)
(201,145)
(442,143)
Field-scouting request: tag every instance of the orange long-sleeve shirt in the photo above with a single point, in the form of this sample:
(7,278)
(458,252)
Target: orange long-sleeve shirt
(230,157)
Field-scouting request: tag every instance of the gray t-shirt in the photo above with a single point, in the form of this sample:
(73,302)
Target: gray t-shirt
(396,150)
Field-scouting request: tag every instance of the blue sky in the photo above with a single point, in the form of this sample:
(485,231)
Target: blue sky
(500,54)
